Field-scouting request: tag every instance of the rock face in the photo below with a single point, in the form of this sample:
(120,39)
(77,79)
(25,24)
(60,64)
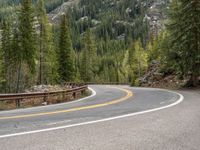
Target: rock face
(54,16)
(155,78)
(152,74)
(156,15)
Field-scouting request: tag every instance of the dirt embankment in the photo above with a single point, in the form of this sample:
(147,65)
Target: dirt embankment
(154,77)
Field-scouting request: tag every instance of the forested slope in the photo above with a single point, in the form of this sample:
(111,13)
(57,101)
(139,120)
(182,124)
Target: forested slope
(8,7)
(108,41)
(96,41)
(116,25)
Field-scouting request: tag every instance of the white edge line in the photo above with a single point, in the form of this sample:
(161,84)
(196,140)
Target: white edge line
(75,101)
(97,121)
(53,105)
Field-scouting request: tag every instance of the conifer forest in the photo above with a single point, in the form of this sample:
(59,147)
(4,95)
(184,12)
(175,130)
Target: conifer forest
(98,41)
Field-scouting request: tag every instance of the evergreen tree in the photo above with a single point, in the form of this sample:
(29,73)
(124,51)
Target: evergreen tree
(66,54)
(89,59)
(6,53)
(25,55)
(184,29)
(42,19)
(46,48)
(13,57)
(85,68)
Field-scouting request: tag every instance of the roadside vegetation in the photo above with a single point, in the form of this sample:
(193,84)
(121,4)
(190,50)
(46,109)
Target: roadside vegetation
(97,41)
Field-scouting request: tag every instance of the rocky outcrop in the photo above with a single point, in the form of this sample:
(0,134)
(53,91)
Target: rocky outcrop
(54,16)
(155,16)
(155,78)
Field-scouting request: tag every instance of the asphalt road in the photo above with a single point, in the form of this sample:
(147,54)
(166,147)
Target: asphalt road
(116,118)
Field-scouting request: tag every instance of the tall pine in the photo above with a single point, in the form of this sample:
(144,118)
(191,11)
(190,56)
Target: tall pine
(47,61)
(66,58)
(89,58)
(25,55)
(184,29)
(6,56)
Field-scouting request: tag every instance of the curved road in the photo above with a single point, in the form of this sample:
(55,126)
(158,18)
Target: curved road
(114,117)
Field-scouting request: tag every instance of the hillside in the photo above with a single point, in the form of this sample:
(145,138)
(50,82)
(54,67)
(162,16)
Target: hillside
(95,41)
(115,26)
(8,7)
(54,15)
(127,13)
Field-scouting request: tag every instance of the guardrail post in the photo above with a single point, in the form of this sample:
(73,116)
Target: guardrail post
(84,90)
(74,95)
(45,99)
(17,103)
(63,96)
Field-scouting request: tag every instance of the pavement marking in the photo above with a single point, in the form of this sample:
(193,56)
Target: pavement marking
(129,94)
(181,98)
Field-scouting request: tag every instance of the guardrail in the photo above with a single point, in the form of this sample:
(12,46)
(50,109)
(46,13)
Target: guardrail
(104,83)
(72,91)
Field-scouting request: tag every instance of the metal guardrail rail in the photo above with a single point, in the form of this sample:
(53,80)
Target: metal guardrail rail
(104,83)
(74,91)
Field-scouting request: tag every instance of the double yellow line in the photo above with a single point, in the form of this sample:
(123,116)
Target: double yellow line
(128,95)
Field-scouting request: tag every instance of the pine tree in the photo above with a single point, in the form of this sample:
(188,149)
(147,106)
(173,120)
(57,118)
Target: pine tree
(46,48)
(51,68)
(89,59)
(13,57)
(6,53)
(66,53)
(42,19)
(184,29)
(25,56)
(85,68)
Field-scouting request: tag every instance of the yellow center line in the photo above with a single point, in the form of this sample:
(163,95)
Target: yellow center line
(128,95)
